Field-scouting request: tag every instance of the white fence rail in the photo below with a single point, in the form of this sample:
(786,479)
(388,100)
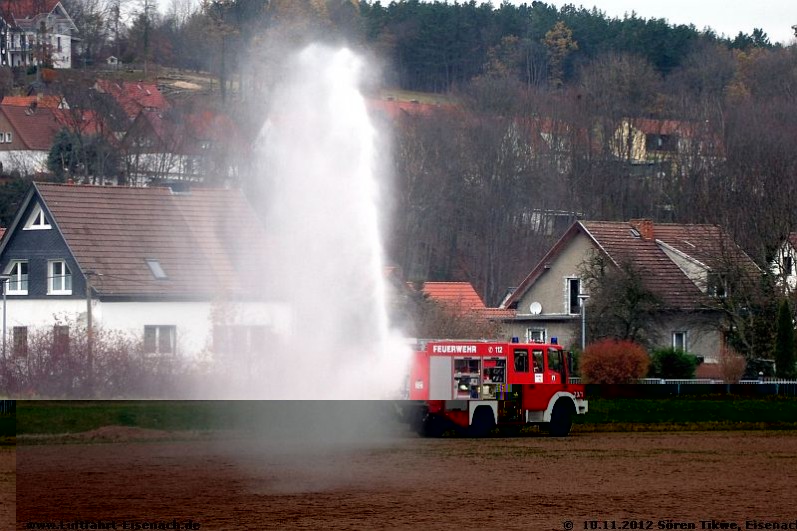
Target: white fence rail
(654,381)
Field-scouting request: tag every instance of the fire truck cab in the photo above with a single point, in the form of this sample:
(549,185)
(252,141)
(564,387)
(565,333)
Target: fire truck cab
(475,386)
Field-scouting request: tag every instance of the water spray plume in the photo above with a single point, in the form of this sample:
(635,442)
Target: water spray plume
(320,168)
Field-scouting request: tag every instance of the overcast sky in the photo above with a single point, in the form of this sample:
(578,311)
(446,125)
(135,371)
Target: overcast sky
(729,17)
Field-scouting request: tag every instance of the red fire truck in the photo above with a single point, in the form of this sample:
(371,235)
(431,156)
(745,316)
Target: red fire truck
(475,386)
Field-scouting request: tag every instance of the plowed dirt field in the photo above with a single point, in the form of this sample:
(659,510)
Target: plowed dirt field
(627,480)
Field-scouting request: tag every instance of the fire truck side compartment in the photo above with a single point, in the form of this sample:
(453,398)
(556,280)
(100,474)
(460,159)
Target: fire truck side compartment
(440,378)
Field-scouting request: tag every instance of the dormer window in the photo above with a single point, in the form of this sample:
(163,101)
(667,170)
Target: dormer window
(156,269)
(37,220)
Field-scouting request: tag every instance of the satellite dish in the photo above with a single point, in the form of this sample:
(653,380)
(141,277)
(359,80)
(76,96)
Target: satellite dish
(535,308)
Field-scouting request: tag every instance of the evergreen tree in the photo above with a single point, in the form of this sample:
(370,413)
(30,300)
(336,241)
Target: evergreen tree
(784,344)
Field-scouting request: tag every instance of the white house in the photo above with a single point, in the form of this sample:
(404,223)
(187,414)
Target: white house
(783,265)
(180,270)
(34,30)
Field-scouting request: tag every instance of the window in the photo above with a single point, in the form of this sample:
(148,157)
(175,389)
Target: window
(58,45)
(239,339)
(37,220)
(788,265)
(59,278)
(536,335)
(18,283)
(19,347)
(573,290)
(160,339)
(556,363)
(717,285)
(521,360)
(679,340)
(156,269)
(9,138)
(537,355)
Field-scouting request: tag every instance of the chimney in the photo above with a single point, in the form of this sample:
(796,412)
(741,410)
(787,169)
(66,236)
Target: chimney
(644,227)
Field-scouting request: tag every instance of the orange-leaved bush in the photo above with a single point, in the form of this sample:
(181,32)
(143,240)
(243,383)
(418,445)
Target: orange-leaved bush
(613,361)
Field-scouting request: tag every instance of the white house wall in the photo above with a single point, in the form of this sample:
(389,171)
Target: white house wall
(24,161)
(550,289)
(778,266)
(193,320)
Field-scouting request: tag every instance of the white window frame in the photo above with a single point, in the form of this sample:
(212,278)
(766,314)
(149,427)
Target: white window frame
(158,332)
(9,137)
(37,220)
(17,278)
(684,341)
(568,305)
(52,277)
(530,334)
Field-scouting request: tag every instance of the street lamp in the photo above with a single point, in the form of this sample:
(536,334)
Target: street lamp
(4,282)
(582,299)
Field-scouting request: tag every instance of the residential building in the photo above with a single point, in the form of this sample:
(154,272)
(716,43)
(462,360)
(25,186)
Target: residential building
(34,32)
(133,97)
(783,265)
(179,270)
(26,136)
(689,270)
(182,146)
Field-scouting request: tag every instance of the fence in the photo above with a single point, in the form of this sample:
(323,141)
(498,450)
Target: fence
(670,381)
(660,388)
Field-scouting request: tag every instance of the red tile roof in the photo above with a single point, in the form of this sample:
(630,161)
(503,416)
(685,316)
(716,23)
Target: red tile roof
(19,9)
(187,134)
(659,274)
(134,97)
(52,102)
(707,244)
(86,122)
(208,241)
(394,109)
(462,299)
(35,128)
(459,296)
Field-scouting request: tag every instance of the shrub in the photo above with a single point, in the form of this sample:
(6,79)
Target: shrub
(56,365)
(612,361)
(784,343)
(732,364)
(672,363)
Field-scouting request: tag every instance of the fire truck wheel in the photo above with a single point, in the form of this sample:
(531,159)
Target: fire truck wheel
(561,420)
(483,422)
(432,426)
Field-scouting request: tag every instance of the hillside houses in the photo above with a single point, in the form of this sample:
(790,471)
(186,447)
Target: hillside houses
(152,140)
(34,32)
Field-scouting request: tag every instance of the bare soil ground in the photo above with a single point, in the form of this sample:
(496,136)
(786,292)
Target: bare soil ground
(520,483)
(8,487)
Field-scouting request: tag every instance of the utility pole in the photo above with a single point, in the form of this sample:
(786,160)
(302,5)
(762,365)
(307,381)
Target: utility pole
(582,297)
(4,282)
(89,337)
